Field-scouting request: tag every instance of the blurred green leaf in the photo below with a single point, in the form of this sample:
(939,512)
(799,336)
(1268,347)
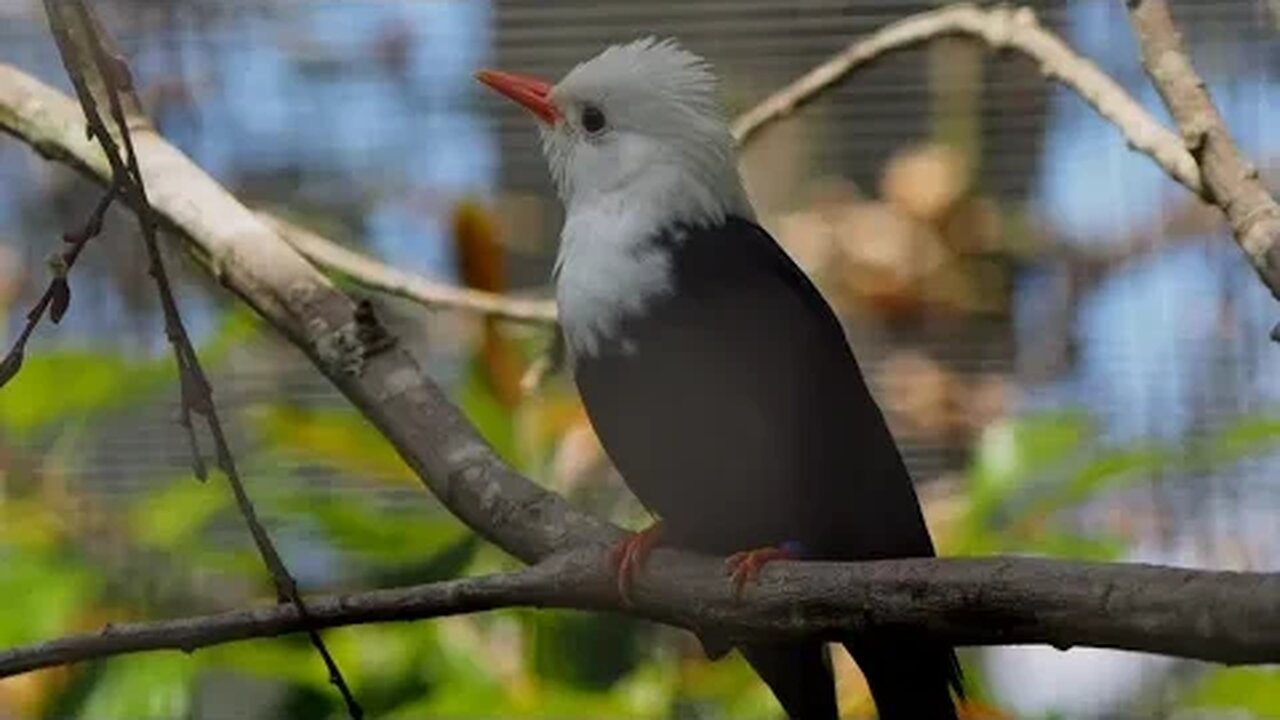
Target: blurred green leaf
(70,384)
(493,419)
(1237,440)
(446,563)
(1108,470)
(357,523)
(44,595)
(560,700)
(138,687)
(650,689)
(173,516)
(1008,457)
(237,326)
(462,677)
(1012,451)
(341,439)
(1116,468)
(728,686)
(1253,690)
(1065,545)
(586,650)
(63,385)
(290,660)
(30,525)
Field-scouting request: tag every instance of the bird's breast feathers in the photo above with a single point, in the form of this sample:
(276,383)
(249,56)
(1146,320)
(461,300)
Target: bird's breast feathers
(608,270)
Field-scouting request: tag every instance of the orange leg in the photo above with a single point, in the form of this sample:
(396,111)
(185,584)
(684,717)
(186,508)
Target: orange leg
(628,557)
(745,566)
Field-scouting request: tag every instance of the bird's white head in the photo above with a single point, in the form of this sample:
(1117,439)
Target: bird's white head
(632,118)
(636,143)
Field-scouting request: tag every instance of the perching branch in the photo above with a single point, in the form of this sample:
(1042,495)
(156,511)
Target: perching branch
(1230,181)
(1218,616)
(101,77)
(1231,617)
(1002,28)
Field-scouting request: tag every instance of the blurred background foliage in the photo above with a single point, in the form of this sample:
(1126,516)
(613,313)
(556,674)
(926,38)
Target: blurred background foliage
(1071,354)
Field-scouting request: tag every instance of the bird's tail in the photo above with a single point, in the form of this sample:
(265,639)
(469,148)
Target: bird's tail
(909,679)
(799,674)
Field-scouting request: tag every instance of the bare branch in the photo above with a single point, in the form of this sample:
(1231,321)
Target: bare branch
(1218,616)
(99,75)
(1230,181)
(1001,28)
(376,275)
(57,296)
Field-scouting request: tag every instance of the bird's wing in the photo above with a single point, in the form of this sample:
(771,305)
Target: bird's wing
(740,415)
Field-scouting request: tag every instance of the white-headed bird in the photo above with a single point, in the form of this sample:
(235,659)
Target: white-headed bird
(715,374)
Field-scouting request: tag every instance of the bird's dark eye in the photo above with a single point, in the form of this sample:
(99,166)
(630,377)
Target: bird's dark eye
(592,119)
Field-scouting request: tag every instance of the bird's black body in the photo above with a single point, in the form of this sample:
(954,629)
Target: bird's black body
(735,410)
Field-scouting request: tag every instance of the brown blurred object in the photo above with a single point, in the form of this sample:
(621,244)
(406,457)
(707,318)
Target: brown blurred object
(946,503)
(482,265)
(928,245)
(12,278)
(926,182)
(579,458)
(27,695)
(937,404)
(970,709)
(852,693)
(885,260)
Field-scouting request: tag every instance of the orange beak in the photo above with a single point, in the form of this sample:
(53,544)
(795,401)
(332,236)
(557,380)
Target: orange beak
(530,92)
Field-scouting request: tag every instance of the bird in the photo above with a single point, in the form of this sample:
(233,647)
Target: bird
(717,377)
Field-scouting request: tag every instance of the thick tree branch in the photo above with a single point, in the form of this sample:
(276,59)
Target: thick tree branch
(1218,616)
(381,380)
(1230,181)
(1002,28)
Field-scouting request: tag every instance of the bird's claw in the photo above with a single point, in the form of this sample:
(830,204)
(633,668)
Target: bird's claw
(627,558)
(745,566)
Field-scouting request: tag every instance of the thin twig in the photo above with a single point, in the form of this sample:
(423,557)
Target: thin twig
(1209,615)
(57,297)
(376,275)
(78,33)
(1002,28)
(1230,181)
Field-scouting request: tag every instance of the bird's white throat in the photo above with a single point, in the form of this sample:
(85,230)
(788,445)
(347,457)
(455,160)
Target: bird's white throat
(608,267)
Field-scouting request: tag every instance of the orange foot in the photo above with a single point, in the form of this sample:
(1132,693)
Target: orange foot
(628,557)
(745,566)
